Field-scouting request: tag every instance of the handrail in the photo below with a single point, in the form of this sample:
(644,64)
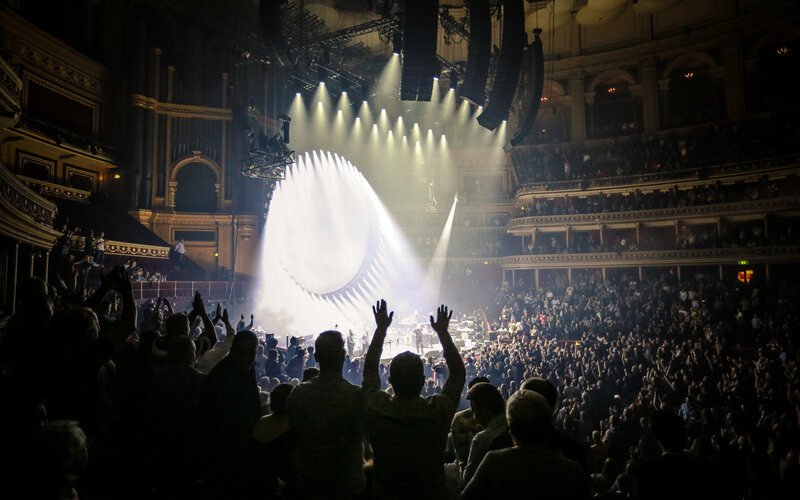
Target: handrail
(54,190)
(647,215)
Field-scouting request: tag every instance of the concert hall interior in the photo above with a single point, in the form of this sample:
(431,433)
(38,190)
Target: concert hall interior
(358,249)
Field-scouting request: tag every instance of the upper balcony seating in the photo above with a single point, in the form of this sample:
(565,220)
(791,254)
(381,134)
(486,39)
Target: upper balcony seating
(674,152)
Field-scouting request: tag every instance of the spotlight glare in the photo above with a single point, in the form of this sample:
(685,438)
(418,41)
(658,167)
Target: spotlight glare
(395,54)
(297,94)
(435,78)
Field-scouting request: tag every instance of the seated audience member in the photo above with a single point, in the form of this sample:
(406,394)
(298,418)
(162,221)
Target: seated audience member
(529,469)
(676,473)
(229,407)
(489,409)
(408,433)
(327,420)
(274,444)
(558,441)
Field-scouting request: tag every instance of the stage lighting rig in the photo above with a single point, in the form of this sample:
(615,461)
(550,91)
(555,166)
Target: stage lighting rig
(268,162)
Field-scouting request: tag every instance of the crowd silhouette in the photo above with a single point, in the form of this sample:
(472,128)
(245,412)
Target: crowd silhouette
(618,389)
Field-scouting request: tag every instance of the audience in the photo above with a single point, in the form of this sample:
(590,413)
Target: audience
(657,388)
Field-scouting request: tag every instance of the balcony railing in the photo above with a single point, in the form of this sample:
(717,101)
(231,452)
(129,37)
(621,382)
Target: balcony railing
(705,174)
(644,258)
(52,190)
(210,290)
(653,215)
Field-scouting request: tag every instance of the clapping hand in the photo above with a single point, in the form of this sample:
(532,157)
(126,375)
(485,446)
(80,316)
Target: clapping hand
(382,318)
(197,304)
(443,316)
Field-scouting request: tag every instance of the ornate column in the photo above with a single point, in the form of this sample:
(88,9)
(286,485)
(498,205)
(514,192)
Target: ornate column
(577,106)
(649,93)
(171,189)
(734,85)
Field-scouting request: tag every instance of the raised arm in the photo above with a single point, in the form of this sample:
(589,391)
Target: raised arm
(250,326)
(208,328)
(372,379)
(458,374)
(126,324)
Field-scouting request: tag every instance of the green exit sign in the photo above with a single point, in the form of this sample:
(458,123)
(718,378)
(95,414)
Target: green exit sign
(744,262)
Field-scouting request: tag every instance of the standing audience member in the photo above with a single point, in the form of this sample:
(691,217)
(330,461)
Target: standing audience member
(327,420)
(408,433)
(275,445)
(229,407)
(529,469)
(489,408)
(558,441)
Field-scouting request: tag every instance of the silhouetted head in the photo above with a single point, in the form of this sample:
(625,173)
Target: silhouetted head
(543,387)
(486,402)
(181,351)
(477,380)
(177,324)
(310,373)
(243,349)
(329,351)
(670,431)
(407,375)
(529,418)
(278,397)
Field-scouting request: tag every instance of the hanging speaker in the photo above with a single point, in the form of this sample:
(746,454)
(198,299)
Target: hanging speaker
(420,30)
(509,66)
(478,52)
(535,100)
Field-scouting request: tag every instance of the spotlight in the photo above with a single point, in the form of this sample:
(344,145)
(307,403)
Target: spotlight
(365,102)
(298,94)
(344,92)
(322,83)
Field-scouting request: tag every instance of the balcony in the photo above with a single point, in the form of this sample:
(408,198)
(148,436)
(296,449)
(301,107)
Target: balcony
(699,214)
(185,290)
(10,88)
(652,258)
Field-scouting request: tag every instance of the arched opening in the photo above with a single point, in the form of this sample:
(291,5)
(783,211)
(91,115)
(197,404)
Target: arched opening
(615,111)
(777,71)
(196,190)
(694,95)
(552,122)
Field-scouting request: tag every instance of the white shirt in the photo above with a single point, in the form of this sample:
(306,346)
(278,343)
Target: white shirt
(179,247)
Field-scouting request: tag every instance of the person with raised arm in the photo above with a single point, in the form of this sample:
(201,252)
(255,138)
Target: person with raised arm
(408,433)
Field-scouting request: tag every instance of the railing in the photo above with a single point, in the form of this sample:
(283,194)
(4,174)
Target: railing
(25,200)
(678,213)
(210,290)
(10,88)
(53,190)
(642,258)
(124,248)
(695,173)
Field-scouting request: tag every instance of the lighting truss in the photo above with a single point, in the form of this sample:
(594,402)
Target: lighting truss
(267,164)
